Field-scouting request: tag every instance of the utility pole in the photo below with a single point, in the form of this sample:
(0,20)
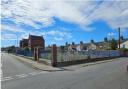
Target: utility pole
(119,36)
(17,40)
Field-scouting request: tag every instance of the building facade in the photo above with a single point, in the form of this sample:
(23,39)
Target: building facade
(36,41)
(124,44)
(24,43)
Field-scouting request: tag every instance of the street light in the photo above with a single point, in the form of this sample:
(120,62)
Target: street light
(110,37)
(119,36)
(109,40)
(16,43)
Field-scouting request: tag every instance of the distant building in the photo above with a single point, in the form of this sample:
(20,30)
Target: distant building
(36,41)
(78,47)
(124,44)
(91,46)
(72,47)
(24,43)
(104,45)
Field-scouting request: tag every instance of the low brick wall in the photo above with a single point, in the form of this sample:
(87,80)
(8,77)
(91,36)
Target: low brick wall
(68,63)
(125,54)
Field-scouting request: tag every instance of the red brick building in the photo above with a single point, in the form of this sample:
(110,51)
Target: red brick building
(36,41)
(24,43)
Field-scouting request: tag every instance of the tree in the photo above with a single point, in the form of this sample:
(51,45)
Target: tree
(11,49)
(113,44)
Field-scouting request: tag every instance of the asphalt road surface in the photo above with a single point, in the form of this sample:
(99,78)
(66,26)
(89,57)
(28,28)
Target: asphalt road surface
(12,66)
(110,75)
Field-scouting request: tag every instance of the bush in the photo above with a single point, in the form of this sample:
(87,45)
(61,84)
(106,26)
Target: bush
(124,49)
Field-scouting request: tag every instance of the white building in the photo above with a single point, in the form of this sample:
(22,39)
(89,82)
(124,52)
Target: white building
(124,44)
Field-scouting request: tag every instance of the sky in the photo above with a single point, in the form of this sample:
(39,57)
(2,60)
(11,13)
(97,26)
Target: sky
(61,21)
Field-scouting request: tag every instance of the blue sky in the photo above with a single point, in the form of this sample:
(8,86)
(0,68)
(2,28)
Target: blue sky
(62,21)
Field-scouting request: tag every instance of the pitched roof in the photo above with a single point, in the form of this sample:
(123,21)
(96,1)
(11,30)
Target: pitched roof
(125,40)
(36,37)
(25,40)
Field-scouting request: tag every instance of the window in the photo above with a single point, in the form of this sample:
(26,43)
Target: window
(123,45)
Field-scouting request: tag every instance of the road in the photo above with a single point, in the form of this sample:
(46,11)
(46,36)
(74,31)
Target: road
(12,66)
(110,75)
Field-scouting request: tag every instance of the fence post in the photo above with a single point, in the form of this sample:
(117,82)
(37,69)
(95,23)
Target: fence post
(37,53)
(35,58)
(54,55)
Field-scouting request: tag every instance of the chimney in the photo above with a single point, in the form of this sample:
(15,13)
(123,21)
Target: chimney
(92,41)
(105,39)
(66,44)
(73,43)
(81,42)
(121,38)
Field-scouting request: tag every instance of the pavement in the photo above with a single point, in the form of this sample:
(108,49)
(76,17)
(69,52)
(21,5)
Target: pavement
(44,67)
(107,75)
(35,64)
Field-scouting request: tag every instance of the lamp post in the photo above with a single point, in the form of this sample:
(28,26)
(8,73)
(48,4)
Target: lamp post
(119,36)
(16,43)
(17,40)
(109,40)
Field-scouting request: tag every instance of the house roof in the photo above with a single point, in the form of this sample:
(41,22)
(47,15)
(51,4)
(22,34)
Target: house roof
(98,43)
(86,44)
(25,40)
(125,40)
(36,37)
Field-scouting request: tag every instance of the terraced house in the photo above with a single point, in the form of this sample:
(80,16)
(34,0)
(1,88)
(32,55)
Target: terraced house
(36,41)
(32,42)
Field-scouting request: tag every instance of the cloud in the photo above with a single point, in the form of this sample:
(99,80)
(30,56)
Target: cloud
(31,11)
(111,34)
(113,12)
(26,34)
(27,12)
(124,32)
(58,39)
(9,37)
(58,33)
(12,28)
(53,35)
(80,12)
